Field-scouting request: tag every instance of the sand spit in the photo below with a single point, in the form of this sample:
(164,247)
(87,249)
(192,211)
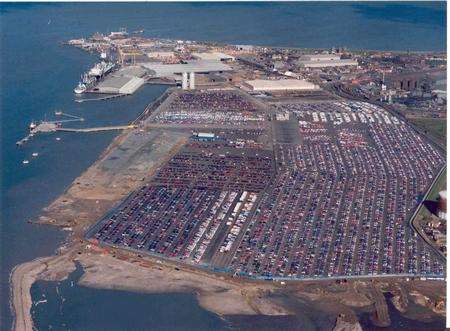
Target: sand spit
(53,268)
(22,277)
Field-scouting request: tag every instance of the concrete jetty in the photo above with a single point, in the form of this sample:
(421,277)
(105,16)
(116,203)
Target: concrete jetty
(97,129)
(101,98)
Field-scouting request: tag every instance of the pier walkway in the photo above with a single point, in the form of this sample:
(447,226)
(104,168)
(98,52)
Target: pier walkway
(102,128)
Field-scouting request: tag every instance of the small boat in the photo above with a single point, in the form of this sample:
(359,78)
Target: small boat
(35,154)
(58,138)
(40,301)
(25,161)
(57,113)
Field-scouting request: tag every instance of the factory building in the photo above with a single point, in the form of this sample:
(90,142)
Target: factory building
(405,81)
(280,85)
(325,60)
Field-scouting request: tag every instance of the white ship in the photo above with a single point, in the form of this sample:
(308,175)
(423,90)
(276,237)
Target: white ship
(81,88)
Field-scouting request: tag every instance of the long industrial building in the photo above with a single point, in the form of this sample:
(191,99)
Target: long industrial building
(280,85)
(175,70)
(325,60)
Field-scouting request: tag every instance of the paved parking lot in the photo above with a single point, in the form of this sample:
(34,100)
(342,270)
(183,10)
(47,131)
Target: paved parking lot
(331,197)
(210,107)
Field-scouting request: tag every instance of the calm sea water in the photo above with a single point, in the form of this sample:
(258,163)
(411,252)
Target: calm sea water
(38,75)
(66,302)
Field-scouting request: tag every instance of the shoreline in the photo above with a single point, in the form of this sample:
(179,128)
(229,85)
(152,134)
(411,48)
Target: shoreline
(219,294)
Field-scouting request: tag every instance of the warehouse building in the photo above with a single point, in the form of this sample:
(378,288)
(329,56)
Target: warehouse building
(325,60)
(280,85)
(124,81)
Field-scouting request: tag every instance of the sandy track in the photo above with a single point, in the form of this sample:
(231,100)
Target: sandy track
(23,276)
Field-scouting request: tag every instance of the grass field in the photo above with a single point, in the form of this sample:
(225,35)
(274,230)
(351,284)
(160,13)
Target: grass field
(436,127)
(433,195)
(440,185)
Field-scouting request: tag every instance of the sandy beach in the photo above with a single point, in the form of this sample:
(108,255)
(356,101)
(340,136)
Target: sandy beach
(218,293)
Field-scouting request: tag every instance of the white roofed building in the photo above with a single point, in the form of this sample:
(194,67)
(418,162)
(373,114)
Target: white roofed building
(280,85)
(325,60)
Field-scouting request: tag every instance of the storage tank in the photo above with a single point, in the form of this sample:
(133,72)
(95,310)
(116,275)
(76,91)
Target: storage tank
(184,83)
(192,81)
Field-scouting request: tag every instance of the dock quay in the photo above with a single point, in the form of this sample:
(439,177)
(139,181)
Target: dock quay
(24,140)
(102,128)
(152,106)
(161,81)
(50,126)
(101,98)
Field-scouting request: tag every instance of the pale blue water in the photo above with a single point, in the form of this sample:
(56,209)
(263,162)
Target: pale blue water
(37,76)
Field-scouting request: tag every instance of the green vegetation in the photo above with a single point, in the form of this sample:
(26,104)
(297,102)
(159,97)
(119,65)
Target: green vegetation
(435,127)
(440,185)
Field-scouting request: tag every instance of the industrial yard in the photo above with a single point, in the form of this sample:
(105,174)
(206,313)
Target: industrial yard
(184,166)
(282,190)
(267,174)
(267,166)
